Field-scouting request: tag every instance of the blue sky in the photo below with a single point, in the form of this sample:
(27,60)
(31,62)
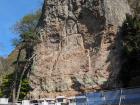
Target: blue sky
(12,11)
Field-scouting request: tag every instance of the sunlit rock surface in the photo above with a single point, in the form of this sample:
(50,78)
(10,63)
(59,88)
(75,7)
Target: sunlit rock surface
(80,47)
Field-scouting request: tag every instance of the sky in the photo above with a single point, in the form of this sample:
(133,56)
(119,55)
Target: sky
(12,11)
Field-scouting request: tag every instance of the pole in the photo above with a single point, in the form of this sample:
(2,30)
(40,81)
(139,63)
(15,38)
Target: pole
(120,98)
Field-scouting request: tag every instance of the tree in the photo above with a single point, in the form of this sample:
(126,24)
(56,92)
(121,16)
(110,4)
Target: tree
(131,50)
(5,88)
(131,35)
(26,29)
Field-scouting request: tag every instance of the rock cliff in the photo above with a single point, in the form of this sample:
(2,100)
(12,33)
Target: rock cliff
(80,47)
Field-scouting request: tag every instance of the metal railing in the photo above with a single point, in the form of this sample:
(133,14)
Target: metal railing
(129,96)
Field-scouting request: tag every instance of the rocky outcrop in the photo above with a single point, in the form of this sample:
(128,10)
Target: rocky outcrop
(79,49)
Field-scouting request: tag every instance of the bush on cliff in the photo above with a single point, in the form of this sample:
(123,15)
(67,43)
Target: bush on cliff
(131,50)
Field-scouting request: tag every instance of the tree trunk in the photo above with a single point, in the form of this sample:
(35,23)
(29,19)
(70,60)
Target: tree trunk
(22,74)
(15,77)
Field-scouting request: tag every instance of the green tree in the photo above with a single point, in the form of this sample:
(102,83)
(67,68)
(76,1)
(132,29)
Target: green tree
(25,87)
(131,35)
(5,88)
(26,29)
(131,50)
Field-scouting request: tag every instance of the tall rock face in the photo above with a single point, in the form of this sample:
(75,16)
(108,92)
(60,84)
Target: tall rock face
(80,47)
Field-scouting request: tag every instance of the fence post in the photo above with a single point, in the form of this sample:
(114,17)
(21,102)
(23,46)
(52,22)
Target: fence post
(120,98)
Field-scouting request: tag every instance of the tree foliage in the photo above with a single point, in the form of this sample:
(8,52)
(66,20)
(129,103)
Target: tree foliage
(25,88)
(131,35)
(5,88)
(131,50)
(25,28)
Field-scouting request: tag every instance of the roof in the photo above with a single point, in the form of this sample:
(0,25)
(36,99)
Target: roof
(49,99)
(80,96)
(72,97)
(60,97)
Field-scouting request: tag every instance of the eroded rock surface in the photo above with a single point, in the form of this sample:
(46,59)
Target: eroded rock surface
(79,49)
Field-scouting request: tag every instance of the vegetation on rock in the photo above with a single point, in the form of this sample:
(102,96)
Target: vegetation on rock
(15,84)
(131,51)
(6,86)
(25,28)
